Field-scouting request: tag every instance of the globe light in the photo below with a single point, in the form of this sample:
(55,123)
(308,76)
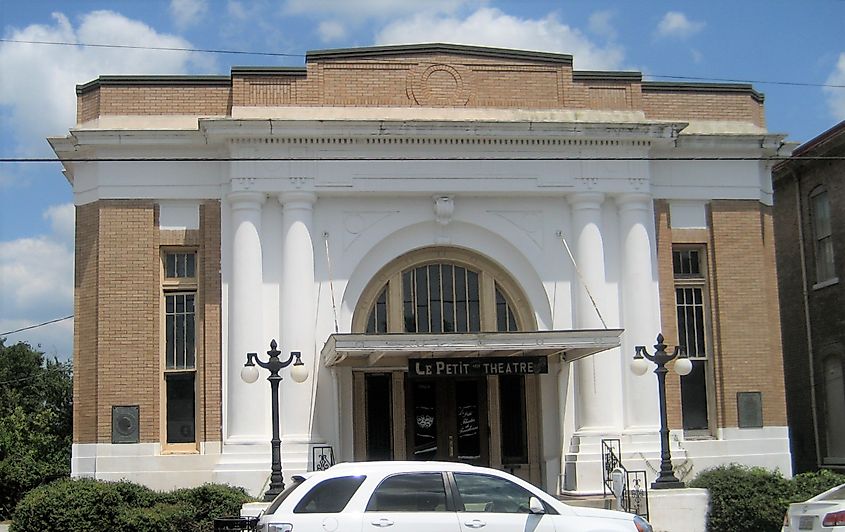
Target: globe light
(682,365)
(299,371)
(639,366)
(249,374)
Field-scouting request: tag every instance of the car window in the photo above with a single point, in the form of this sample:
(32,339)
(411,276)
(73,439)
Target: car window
(412,492)
(329,496)
(296,482)
(836,495)
(485,493)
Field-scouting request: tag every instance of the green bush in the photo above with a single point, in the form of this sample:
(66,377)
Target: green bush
(751,499)
(806,485)
(83,505)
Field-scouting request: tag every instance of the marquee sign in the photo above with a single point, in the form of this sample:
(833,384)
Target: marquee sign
(477,367)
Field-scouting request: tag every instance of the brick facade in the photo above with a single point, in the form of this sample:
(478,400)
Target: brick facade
(118,274)
(807,304)
(745,337)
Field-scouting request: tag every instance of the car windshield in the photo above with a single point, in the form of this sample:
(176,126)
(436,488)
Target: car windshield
(295,483)
(836,495)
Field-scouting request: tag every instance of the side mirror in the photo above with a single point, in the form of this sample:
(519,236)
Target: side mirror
(535,506)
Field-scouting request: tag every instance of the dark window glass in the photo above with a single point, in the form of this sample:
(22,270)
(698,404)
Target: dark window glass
(180,265)
(421,286)
(424,395)
(377,320)
(435,291)
(180,333)
(694,397)
(296,481)
(329,496)
(442,298)
(484,493)
(413,492)
(686,263)
(505,319)
(408,302)
(473,301)
(467,419)
(448,298)
(512,409)
(180,407)
(379,417)
(461,300)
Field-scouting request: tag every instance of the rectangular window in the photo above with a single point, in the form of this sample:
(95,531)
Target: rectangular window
(691,313)
(179,294)
(512,419)
(820,212)
(379,416)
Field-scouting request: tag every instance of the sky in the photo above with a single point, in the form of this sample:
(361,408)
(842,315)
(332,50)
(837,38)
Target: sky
(792,50)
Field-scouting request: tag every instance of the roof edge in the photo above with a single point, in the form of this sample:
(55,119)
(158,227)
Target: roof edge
(268,70)
(607,75)
(118,81)
(657,86)
(402,49)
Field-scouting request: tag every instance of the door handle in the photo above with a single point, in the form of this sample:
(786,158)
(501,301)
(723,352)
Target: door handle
(383,522)
(475,523)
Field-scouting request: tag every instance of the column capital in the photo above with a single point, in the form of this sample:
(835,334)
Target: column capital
(245,199)
(297,199)
(585,200)
(634,201)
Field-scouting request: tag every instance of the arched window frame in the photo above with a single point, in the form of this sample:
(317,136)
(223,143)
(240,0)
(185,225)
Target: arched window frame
(491,276)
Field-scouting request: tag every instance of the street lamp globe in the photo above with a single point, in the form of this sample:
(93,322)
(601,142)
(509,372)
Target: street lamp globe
(682,365)
(639,366)
(249,374)
(299,371)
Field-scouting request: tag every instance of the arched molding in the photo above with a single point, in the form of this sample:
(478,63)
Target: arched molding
(518,278)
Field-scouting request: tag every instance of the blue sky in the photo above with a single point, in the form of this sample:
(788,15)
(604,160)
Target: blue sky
(797,41)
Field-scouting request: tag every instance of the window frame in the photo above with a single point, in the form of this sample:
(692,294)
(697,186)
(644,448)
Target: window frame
(825,271)
(171,286)
(698,281)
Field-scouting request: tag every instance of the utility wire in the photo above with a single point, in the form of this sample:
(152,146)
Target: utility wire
(399,159)
(281,54)
(36,326)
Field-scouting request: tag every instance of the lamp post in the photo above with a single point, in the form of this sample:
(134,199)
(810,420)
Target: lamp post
(682,366)
(298,373)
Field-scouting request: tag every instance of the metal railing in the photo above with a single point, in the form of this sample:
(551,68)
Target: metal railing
(632,490)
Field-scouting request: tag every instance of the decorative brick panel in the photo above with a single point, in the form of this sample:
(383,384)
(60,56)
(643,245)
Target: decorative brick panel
(211,397)
(668,105)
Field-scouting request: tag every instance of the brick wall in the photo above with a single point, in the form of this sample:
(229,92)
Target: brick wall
(117,334)
(745,331)
(675,105)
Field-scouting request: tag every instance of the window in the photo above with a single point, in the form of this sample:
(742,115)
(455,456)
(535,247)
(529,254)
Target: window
(379,407)
(513,419)
(414,492)
(834,408)
(329,496)
(441,291)
(485,493)
(180,352)
(820,213)
(691,310)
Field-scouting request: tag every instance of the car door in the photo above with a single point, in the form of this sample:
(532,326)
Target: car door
(495,504)
(411,502)
(322,507)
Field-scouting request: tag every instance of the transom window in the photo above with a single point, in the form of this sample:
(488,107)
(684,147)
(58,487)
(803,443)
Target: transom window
(443,296)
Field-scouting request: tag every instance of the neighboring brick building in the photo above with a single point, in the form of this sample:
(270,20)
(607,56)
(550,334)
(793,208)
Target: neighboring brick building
(810,236)
(385,205)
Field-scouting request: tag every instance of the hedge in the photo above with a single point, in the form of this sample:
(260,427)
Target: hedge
(755,499)
(87,505)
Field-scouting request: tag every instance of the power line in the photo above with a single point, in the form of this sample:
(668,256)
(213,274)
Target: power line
(21,160)
(157,48)
(36,326)
(282,54)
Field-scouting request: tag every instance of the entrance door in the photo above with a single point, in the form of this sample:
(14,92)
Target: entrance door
(446,419)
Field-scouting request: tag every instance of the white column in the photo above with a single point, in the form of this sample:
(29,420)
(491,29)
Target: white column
(598,398)
(245,403)
(298,312)
(640,306)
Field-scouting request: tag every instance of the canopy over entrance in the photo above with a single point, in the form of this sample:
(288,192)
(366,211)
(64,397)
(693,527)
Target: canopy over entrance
(393,350)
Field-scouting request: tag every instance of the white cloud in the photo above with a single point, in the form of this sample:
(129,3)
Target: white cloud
(836,95)
(492,27)
(676,24)
(362,9)
(187,12)
(331,30)
(601,23)
(41,97)
(36,283)
(236,10)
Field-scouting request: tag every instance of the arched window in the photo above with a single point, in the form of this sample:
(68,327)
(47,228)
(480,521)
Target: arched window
(442,290)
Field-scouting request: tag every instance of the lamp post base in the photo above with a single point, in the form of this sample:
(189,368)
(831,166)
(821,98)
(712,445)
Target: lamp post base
(667,485)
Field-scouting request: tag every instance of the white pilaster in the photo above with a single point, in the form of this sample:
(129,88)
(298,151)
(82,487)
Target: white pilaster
(245,403)
(298,314)
(640,307)
(599,399)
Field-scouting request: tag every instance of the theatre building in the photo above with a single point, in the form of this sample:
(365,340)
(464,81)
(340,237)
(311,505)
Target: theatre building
(465,245)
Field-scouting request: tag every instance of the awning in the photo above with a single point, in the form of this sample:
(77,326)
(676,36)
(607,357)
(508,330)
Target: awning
(394,349)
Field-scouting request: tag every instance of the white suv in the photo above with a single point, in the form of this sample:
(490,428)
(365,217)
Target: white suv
(429,497)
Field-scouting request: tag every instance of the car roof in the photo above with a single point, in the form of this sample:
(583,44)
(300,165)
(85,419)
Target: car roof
(401,466)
